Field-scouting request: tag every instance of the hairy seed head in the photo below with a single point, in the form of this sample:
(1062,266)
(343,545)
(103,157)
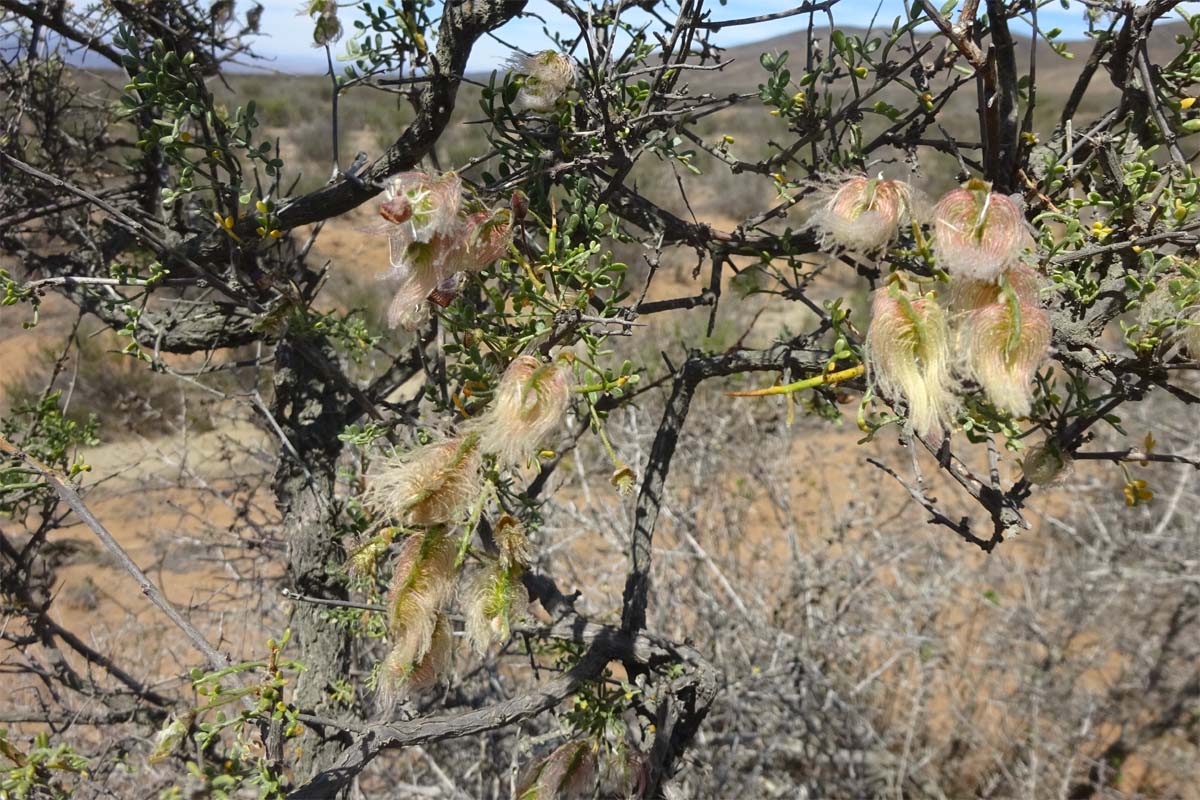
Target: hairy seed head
(978,233)
(1023,280)
(1003,344)
(546,78)
(326,29)
(488,237)
(530,401)
(568,773)
(429,486)
(863,214)
(512,541)
(483,239)
(170,736)
(417,266)
(426,268)
(364,556)
(421,584)
(908,356)
(1045,465)
(495,599)
(399,676)
(425,204)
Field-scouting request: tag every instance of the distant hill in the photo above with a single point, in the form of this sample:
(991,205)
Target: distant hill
(1055,74)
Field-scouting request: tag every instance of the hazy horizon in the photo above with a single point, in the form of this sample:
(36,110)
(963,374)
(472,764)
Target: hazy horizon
(285,44)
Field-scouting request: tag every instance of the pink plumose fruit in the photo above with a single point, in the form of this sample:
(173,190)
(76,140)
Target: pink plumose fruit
(863,214)
(978,234)
(529,404)
(908,357)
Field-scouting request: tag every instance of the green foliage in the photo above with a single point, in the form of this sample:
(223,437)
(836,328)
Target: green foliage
(238,706)
(41,429)
(216,153)
(40,771)
(393,34)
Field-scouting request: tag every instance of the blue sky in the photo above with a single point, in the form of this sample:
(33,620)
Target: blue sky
(287,35)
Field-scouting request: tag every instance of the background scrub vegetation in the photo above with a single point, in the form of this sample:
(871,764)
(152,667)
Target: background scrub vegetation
(707,454)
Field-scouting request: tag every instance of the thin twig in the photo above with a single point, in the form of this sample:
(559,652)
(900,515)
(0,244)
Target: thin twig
(58,482)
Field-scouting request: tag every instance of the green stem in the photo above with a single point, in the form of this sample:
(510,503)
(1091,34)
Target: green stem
(603,386)
(1013,341)
(612,454)
(824,379)
(476,513)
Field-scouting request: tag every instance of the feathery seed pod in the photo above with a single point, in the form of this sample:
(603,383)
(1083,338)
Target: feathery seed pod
(422,205)
(1023,280)
(424,232)
(1003,342)
(546,78)
(431,485)
(488,235)
(978,233)
(170,736)
(363,558)
(431,243)
(568,773)
(1045,464)
(530,401)
(908,356)
(326,27)
(421,585)
(863,214)
(399,676)
(512,542)
(419,270)
(494,600)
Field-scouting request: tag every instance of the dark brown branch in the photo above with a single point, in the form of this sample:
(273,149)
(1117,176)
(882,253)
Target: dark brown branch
(961,526)
(695,370)
(367,744)
(59,26)
(132,226)
(462,24)
(1133,454)
(1000,102)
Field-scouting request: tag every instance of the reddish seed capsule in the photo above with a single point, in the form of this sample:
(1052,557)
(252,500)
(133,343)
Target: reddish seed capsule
(396,210)
(520,207)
